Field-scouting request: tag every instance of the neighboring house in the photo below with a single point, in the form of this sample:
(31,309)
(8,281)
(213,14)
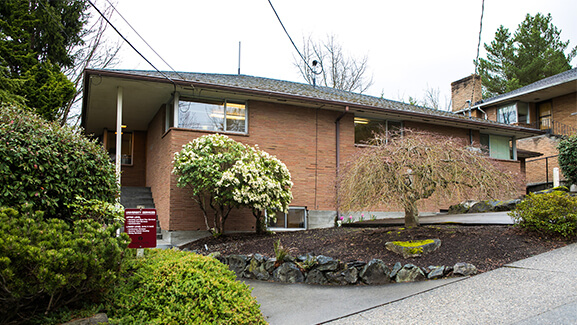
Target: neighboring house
(311,129)
(549,104)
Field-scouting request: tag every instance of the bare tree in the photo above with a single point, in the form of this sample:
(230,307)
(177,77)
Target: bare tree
(335,69)
(419,165)
(431,99)
(96,52)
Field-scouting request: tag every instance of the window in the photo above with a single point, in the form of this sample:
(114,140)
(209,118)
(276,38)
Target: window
(497,146)
(367,128)
(212,115)
(517,112)
(296,218)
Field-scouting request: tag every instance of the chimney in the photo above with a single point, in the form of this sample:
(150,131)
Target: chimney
(462,91)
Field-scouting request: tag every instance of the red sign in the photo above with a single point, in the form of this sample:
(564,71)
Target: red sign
(140,225)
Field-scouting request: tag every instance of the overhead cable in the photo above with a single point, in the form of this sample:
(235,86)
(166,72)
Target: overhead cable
(287,34)
(132,46)
(145,42)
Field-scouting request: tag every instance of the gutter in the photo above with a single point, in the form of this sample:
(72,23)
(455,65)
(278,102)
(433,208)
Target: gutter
(269,94)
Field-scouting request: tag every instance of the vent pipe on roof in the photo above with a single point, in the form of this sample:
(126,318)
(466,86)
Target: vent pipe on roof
(239,58)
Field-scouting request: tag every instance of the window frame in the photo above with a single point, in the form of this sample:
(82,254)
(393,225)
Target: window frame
(212,101)
(383,122)
(514,111)
(285,228)
(493,138)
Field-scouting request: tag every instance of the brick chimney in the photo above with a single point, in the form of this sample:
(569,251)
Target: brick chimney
(462,90)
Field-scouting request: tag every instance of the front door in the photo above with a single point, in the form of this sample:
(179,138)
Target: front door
(544,110)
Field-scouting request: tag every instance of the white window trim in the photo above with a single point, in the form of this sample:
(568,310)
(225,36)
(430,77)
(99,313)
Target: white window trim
(199,100)
(285,227)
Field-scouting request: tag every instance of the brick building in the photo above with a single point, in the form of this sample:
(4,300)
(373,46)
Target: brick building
(549,104)
(311,129)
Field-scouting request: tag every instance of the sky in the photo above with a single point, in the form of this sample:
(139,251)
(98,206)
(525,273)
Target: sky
(411,45)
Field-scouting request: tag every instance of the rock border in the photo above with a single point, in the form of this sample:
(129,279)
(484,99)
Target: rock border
(324,270)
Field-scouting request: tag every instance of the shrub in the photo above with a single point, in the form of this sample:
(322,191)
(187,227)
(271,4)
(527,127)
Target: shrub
(49,166)
(549,213)
(568,158)
(48,263)
(174,287)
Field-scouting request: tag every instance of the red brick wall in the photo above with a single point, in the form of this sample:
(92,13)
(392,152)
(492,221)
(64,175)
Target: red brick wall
(539,168)
(563,107)
(303,138)
(159,166)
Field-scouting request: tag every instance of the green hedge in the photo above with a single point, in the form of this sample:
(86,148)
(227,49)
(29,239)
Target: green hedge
(552,213)
(48,263)
(173,287)
(49,166)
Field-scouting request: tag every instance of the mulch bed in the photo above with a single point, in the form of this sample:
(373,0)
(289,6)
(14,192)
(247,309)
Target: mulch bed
(486,247)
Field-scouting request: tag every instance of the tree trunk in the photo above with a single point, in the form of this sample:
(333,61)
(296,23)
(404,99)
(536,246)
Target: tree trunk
(260,222)
(411,215)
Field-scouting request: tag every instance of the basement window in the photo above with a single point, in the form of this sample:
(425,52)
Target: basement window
(212,115)
(295,219)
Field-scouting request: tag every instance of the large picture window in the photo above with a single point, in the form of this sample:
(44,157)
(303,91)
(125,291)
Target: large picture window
(212,115)
(515,113)
(367,128)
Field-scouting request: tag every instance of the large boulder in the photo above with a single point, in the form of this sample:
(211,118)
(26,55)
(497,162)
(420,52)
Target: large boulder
(464,269)
(237,263)
(436,272)
(483,206)
(413,248)
(316,277)
(256,268)
(288,272)
(462,207)
(325,263)
(410,273)
(375,272)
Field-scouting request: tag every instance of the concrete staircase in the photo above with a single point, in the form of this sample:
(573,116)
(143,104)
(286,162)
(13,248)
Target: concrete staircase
(139,197)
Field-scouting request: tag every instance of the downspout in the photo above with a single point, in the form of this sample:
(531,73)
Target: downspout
(338,159)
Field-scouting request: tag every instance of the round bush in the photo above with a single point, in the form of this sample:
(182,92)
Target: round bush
(552,213)
(174,287)
(49,166)
(49,263)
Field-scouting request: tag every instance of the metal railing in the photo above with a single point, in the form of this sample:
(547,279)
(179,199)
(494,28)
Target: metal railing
(555,128)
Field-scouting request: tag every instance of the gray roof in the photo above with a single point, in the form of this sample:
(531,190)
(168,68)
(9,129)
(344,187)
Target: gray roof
(558,79)
(301,90)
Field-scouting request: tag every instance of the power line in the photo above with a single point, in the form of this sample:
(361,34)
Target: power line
(132,46)
(287,34)
(145,42)
(478,49)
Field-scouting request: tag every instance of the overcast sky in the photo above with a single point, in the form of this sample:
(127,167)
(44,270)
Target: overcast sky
(412,45)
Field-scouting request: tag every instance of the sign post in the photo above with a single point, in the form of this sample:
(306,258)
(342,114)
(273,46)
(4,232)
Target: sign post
(140,225)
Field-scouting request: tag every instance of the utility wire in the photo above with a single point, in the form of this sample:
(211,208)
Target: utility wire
(478,49)
(145,42)
(287,34)
(132,46)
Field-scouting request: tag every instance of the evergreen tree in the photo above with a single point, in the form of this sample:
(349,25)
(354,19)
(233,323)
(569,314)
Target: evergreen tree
(535,51)
(35,41)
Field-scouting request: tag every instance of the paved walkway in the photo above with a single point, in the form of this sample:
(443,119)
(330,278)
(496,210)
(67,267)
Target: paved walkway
(538,290)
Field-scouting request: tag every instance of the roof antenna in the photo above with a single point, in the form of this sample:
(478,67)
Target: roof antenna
(239,58)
